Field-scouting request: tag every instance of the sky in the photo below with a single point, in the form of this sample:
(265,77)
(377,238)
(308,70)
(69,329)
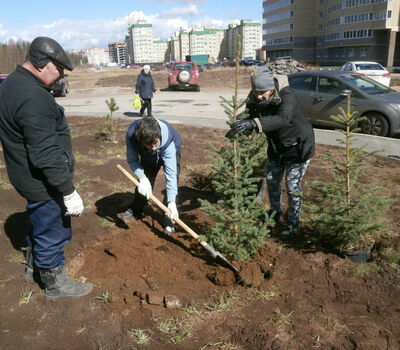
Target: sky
(83,24)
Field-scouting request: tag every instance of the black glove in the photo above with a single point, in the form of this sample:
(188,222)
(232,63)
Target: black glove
(245,126)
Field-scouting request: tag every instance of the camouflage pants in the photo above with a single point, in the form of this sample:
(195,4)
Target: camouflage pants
(294,175)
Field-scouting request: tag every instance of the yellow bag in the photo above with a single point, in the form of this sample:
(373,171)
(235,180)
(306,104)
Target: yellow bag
(136,102)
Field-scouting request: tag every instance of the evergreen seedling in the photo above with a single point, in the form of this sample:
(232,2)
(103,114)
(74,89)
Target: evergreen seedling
(241,224)
(107,130)
(346,213)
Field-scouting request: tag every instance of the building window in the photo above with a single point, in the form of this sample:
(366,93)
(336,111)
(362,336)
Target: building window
(389,14)
(321,2)
(363,51)
(320,27)
(351,52)
(321,15)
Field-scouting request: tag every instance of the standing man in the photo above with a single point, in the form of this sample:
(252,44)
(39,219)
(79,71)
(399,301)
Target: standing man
(145,89)
(150,144)
(38,154)
(273,109)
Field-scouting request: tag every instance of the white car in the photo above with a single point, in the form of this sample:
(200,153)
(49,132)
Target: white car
(371,70)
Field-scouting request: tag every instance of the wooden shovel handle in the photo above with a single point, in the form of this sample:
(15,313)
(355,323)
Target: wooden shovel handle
(162,206)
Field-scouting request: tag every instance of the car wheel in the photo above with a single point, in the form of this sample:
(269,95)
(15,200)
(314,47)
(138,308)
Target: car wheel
(197,88)
(375,124)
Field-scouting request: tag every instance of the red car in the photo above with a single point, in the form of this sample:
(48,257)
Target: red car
(3,77)
(184,75)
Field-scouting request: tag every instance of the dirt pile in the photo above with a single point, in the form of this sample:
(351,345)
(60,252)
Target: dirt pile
(301,295)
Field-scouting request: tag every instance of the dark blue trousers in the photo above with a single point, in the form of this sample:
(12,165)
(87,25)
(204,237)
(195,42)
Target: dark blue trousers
(50,232)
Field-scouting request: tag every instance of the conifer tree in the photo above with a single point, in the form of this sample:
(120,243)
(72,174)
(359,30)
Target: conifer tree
(240,223)
(346,213)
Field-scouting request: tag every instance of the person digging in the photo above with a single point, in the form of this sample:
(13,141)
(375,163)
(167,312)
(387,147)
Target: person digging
(151,144)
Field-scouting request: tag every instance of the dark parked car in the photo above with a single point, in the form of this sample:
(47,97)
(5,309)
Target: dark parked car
(321,93)
(60,87)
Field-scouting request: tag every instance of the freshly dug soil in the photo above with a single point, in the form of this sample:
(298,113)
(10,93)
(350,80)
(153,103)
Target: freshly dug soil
(301,296)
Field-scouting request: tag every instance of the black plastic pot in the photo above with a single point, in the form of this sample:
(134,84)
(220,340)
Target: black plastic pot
(359,256)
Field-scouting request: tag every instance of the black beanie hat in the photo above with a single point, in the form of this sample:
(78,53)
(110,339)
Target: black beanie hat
(44,49)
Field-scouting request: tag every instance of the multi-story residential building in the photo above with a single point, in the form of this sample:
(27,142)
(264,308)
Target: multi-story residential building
(331,32)
(98,56)
(206,41)
(117,53)
(140,42)
(159,52)
(184,44)
(173,53)
(141,47)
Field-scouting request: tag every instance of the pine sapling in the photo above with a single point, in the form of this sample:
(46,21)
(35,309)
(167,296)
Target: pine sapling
(346,213)
(241,223)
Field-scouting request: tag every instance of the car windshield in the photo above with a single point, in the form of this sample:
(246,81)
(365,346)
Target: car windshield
(184,66)
(367,85)
(369,66)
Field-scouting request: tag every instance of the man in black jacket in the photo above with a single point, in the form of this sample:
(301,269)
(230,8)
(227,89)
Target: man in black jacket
(273,109)
(38,154)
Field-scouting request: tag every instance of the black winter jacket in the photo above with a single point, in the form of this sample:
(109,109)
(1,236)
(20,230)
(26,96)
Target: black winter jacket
(145,85)
(35,137)
(289,133)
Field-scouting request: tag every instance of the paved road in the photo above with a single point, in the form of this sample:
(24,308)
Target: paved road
(194,108)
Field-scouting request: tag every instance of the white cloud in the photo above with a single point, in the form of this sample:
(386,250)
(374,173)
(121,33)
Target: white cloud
(182,1)
(191,10)
(83,34)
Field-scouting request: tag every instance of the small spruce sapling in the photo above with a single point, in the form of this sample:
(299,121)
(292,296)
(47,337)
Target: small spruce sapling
(241,223)
(107,131)
(347,214)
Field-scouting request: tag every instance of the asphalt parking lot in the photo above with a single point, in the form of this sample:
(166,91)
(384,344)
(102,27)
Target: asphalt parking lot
(193,108)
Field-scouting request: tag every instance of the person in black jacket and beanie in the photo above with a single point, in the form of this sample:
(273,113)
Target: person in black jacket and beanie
(145,89)
(273,109)
(38,153)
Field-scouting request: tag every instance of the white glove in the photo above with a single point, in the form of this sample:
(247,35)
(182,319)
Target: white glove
(73,203)
(174,211)
(144,187)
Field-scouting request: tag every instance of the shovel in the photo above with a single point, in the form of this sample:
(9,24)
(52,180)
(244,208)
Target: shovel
(210,249)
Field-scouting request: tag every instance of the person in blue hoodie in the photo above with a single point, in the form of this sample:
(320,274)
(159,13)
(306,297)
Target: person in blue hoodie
(150,144)
(145,89)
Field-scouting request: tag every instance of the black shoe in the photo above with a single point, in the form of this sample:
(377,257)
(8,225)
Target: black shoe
(289,231)
(169,225)
(169,230)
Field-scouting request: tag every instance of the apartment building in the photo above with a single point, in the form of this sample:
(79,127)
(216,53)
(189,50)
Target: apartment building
(160,49)
(219,43)
(117,53)
(331,32)
(98,56)
(140,42)
(250,39)
(141,47)
(206,41)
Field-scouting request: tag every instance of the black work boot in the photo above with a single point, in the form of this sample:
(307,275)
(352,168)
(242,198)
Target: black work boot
(31,272)
(289,231)
(58,285)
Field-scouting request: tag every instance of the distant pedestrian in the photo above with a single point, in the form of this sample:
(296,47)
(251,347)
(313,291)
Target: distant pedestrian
(37,149)
(145,88)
